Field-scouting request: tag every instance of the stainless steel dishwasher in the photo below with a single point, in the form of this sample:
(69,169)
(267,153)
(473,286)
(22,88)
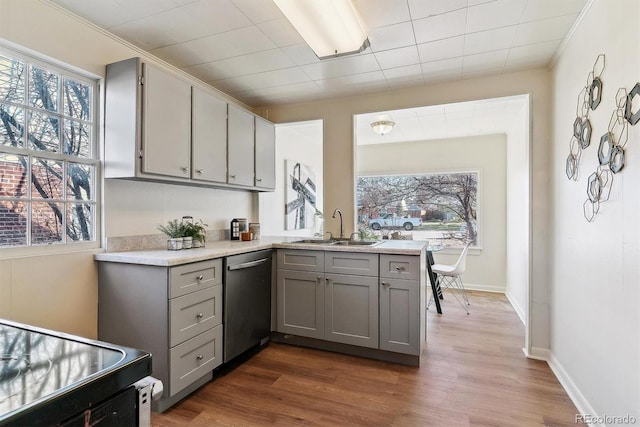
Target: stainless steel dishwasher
(247,302)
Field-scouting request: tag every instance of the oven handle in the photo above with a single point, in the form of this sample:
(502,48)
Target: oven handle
(247,264)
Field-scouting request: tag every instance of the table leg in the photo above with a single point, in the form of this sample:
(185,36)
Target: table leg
(435,285)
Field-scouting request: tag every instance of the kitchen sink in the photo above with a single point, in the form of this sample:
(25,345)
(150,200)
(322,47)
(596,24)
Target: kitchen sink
(355,243)
(337,242)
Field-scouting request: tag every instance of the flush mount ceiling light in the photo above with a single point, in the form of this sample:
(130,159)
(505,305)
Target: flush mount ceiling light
(382,127)
(331,28)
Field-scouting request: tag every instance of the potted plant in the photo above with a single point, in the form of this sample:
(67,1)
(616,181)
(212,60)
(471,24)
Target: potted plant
(197,231)
(175,230)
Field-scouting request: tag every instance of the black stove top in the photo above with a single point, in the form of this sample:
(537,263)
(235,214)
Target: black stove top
(43,373)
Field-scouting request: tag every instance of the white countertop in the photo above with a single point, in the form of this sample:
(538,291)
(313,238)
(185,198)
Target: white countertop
(222,248)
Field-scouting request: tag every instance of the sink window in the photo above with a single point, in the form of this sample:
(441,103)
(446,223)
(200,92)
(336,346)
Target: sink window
(48,157)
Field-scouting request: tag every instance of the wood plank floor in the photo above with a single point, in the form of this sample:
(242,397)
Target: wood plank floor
(473,373)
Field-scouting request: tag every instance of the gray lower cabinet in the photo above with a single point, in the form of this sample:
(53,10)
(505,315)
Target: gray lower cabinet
(400,304)
(175,313)
(356,298)
(334,307)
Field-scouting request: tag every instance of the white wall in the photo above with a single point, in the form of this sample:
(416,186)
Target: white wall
(486,154)
(61,293)
(302,142)
(595,277)
(518,214)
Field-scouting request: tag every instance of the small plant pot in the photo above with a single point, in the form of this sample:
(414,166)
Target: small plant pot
(174,244)
(197,243)
(187,242)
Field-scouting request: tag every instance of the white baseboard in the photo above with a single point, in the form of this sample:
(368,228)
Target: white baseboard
(539,353)
(572,389)
(484,288)
(516,308)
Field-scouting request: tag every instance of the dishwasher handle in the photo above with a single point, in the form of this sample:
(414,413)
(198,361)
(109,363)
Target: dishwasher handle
(249,264)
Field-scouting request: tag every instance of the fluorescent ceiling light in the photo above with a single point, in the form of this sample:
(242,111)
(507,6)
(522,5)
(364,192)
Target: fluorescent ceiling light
(330,27)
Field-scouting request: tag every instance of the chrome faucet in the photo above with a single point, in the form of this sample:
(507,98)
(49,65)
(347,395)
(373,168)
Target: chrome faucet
(333,216)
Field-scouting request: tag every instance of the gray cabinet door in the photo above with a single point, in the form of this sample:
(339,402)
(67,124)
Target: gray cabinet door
(400,316)
(209,137)
(166,124)
(300,306)
(351,309)
(265,176)
(240,147)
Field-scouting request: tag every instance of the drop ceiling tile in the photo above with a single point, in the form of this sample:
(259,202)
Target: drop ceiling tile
(219,46)
(218,16)
(441,49)
(485,61)
(486,41)
(544,30)
(281,32)
(243,65)
(534,55)
(500,13)
(404,76)
(301,54)
(395,58)
(347,84)
(283,94)
(543,9)
(264,80)
(346,66)
(378,13)
(106,13)
(440,27)
(144,32)
(258,10)
(447,69)
(423,9)
(391,37)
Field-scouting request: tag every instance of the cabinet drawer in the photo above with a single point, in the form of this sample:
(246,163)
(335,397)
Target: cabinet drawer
(195,358)
(194,313)
(362,264)
(188,278)
(301,260)
(405,267)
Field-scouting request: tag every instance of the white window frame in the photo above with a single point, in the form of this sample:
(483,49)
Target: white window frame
(95,82)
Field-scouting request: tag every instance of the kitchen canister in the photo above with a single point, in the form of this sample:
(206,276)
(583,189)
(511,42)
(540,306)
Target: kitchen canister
(254,228)
(238,226)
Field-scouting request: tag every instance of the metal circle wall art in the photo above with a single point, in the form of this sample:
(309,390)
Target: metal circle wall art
(588,99)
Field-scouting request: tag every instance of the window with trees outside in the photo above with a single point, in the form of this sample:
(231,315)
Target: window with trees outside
(48,158)
(439,207)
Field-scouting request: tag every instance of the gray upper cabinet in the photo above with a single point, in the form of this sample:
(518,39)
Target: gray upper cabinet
(265,146)
(209,137)
(166,119)
(240,147)
(158,127)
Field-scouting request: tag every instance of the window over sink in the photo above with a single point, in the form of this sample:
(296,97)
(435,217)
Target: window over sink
(48,154)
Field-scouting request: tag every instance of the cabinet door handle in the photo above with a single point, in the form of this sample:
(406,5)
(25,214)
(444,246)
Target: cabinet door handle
(200,277)
(200,357)
(185,170)
(384,283)
(199,171)
(319,279)
(232,176)
(259,179)
(200,315)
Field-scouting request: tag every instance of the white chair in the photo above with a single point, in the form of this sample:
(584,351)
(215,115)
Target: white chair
(449,277)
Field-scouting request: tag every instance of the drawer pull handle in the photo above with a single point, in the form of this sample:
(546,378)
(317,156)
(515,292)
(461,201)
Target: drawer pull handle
(200,315)
(200,277)
(398,268)
(199,357)
(384,283)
